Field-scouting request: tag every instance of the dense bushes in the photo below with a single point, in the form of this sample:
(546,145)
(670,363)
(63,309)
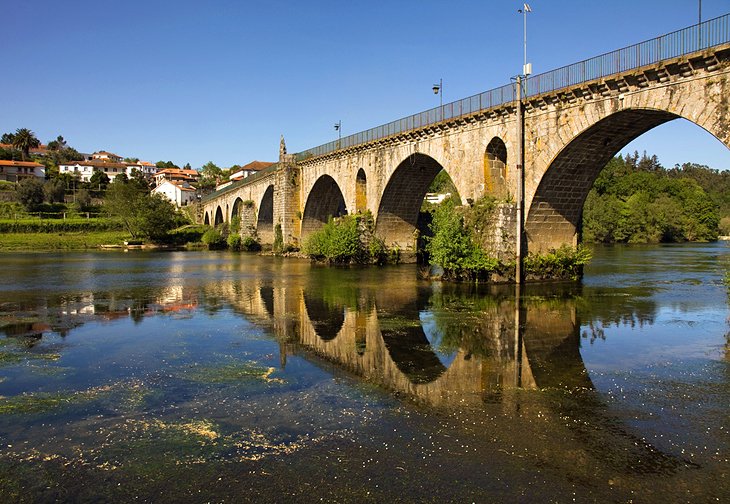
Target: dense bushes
(60,226)
(636,201)
(349,239)
(565,263)
(454,247)
(214,239)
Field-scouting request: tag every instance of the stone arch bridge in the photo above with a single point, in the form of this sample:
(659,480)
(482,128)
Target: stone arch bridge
(576,119)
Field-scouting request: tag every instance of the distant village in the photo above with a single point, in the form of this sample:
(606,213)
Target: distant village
(180,185)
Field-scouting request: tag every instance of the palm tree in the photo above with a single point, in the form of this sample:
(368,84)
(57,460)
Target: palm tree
(25,140)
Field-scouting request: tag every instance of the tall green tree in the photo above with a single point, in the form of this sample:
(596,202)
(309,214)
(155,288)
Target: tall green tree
(30,192)
(54,191)
(24,140)
(144,215)
(210,175)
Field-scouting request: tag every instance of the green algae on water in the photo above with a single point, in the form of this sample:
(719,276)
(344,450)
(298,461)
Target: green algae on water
(232,373)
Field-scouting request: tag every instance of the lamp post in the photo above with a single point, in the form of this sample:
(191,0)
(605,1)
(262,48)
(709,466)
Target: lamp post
(699,25)
(439,90)
(520,91)
(338,129)
(526,67)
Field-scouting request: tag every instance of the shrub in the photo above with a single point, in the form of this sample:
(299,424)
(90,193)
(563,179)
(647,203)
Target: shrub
(562,263)
(30,192)
(338,242)
(250,244)
(236,224)
(278,245)
(213,239)
(234,242)
(454,248)
(191,233)
(725,226)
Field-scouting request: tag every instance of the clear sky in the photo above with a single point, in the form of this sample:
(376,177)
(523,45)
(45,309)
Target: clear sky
(221,80)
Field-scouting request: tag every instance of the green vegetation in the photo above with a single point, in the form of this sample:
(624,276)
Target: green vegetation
(454,246)
(635,200)
(233,372)
(213,239)
(144,215)
(71,225)
(278,246)
(348,239)
(565,263)
(61,241)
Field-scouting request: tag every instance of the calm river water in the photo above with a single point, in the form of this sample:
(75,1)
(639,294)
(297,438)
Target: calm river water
(215,377)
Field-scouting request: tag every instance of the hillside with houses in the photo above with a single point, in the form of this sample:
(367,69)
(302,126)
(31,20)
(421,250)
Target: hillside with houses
(55,163)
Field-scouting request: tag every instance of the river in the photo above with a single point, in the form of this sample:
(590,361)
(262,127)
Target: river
(217,377)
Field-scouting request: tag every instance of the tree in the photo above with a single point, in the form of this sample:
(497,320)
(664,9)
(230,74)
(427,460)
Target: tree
(99,181)
(131,160)
(635,200)
(83,199)
(30,192)
(58,144)
(7,138)
(165,164)
(210,175)
(24,139)
(139,179)
(54,190)
(144,215)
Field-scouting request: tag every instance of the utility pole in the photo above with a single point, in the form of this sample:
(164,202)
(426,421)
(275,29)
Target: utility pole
(520,182)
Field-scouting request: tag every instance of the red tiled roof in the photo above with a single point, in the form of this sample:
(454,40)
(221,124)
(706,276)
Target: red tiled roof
(96,163)
(256,165)
(39,150)
(24,164)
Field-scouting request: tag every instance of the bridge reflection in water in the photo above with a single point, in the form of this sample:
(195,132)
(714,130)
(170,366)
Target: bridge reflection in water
(457,348)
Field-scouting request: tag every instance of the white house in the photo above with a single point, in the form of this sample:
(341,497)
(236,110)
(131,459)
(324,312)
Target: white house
(85,169)
(13,171)
(106,156)
(245,171)
(180,193)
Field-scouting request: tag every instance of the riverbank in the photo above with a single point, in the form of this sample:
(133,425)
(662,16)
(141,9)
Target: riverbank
(61,241)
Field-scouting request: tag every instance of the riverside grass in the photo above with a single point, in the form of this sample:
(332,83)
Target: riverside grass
(61,241)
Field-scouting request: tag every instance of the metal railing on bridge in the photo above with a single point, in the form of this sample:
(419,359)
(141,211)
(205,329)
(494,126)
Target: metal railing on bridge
(688,40)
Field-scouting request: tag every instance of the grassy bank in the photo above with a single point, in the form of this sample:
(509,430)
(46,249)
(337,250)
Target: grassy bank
(61,241)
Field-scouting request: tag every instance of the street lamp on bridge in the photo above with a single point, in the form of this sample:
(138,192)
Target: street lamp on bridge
(526,67)
(439,90)
(338,129)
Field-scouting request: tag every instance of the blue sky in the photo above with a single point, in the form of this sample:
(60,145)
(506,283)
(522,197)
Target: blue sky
(221,80)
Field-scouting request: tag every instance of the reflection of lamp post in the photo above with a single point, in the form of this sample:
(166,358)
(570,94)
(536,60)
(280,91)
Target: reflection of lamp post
(439,90)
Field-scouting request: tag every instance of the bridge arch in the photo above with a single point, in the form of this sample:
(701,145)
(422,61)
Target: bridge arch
(265,219)
(555,209)
(206,221)
(325,200)
(402,198)
(495,168)
(218,217)
(361,191)
(237,208)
